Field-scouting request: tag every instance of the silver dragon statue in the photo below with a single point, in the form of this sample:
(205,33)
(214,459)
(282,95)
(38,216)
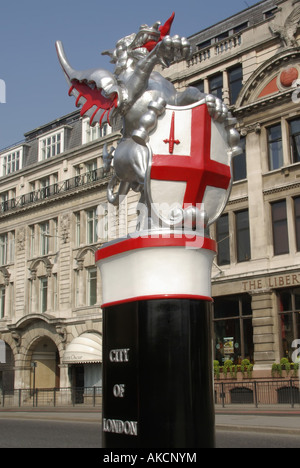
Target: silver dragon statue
(140,95)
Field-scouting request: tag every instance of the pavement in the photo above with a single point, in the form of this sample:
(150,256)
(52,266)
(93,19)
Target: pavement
(276,420)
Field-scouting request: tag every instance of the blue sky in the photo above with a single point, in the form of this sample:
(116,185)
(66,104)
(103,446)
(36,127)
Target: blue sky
(36,90)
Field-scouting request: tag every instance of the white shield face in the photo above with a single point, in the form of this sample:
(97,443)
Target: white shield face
(189,164)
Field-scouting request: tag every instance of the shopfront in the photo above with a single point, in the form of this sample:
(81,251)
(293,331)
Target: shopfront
(233,328)
(84,359)
(259,320)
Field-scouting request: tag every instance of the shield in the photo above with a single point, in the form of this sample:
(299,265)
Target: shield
(189,165)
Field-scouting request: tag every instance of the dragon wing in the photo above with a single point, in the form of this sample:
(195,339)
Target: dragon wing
(96,89)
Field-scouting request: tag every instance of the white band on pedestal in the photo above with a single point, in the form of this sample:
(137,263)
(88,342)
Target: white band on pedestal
(146,268)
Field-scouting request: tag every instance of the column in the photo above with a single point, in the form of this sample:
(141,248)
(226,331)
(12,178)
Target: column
(263,330)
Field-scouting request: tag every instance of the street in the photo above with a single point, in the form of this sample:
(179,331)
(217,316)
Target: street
(83,430)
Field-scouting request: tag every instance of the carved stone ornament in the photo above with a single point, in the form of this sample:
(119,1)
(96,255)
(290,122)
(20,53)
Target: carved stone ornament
(62,331)
(65,227)
(21,239)
(288,31)
(17,338)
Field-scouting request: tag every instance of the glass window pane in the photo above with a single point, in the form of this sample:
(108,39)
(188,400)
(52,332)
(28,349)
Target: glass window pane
(280,228)
(239,163)
(297,299)
(275,147)
(92,287)
(287,335)
(2,302)
(227,340)
(248,340)
(243,236)
(223,240)
(216,85)
(227,306)
(297,221)
(295,140)
(43,294)
(285,301)
(246,304)
(235,77)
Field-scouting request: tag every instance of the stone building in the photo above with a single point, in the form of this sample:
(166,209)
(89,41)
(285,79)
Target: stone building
(252,62)
(52,184)
(53,217)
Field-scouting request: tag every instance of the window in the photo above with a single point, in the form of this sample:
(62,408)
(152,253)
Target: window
(32,241)
(2,302)
(95,132)
(3,249)
(270,13)
(51,145)
(4,201)
(280,228)
(275,147)
(295,140)
(233,328)
(289,319)
(7,248)
(11,162)
(223,240)
(55,291)
(199,85)
(240,27)
(77,229)
(44,238)
(216,85)
(92,225)
(204,44)
(92,286)
(297,221)
(239,163)
(243,236)
(235,79)
(222,36)
(43,294)
(45,187)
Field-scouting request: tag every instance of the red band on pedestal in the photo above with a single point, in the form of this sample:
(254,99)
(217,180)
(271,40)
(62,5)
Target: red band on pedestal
(145,242)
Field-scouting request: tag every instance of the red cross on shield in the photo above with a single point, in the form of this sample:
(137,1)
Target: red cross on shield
(190,162)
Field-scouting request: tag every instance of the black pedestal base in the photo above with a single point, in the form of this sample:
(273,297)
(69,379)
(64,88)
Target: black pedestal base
(157,375)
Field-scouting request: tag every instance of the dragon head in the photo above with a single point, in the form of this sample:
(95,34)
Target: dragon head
(136,46)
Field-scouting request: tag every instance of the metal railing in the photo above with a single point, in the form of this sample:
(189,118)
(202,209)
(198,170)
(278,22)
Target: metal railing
(54,190)
(53,397)
(256,392)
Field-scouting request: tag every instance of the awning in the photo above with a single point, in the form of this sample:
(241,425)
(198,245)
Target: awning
(86,348)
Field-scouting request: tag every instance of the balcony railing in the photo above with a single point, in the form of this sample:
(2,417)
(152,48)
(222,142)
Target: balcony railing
(54,190)
(216,49)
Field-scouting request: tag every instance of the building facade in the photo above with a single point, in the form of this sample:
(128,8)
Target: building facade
(252,62)
(54,215)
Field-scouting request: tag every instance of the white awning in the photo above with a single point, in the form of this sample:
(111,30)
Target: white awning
(86,348)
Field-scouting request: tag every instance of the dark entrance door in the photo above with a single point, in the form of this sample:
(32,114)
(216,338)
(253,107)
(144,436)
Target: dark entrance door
(77,383)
